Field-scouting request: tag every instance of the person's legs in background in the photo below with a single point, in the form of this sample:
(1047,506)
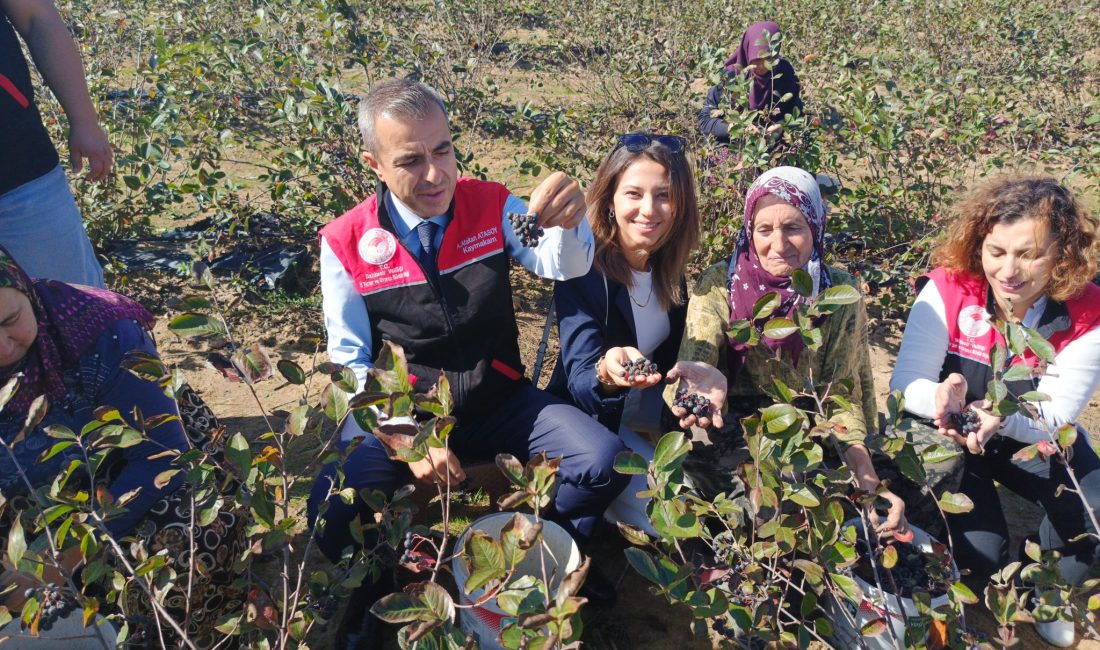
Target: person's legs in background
(41,226)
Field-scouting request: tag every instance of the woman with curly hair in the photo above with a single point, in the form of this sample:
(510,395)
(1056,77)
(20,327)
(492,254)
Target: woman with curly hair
(1022,250)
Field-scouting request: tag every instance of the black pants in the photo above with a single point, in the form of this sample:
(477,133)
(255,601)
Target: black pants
(981,535)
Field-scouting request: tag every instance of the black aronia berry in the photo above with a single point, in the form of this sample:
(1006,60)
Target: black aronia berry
(526,227)
(693,403)
(639,368)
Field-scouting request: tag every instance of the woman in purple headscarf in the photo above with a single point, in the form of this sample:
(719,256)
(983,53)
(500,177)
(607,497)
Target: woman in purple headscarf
(770,79)
(67,344)
(783,231)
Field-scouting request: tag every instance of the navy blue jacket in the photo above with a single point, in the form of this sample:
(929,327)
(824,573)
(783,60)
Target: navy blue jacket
(587,328)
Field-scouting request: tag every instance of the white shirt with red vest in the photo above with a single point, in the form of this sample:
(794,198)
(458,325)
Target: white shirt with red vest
(561,254)
(1070,380)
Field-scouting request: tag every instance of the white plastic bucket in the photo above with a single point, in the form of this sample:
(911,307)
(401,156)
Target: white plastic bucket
(875,603)
(485,621)
(67,633)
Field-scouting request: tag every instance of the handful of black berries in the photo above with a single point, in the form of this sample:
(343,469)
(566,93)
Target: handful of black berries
(638,368)
(526,227)
(694,403)
(51,602)
(966,422)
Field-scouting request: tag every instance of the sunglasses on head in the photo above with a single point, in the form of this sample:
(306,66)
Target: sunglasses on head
(639,140)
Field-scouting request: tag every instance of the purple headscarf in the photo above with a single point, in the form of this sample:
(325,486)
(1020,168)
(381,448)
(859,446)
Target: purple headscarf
(754,43)
(748,281)
(70,320)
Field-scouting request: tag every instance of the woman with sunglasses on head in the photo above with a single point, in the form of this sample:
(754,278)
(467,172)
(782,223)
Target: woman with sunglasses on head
(783,230)
(630,307)
(1021,251)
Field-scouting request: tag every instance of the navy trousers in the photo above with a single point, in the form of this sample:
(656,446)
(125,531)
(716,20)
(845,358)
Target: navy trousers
(981,535)
(527,422)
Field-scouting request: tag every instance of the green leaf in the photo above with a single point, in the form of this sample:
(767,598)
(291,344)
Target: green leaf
(1039,345)
(1067,435)
(633,534)
(670,452)
(485,560)
(512,468)
(193,324)
(346,380)
(253,363)
(847,586)
(802,283)
(743,332)
(164,478)
(237,451)
(780,418)
(955,503)
(643,564)
(1034,396)
(1017,372)
(17,544)
(841,294)
(672,519)
(400,607)
(804,496)
(937,453)
(291,372)
(766,306)
(779,328)
(889,556)
(8,391)
(517,537)
(629,462)
(334,403)
(963,594)
(57,448)
(438,601)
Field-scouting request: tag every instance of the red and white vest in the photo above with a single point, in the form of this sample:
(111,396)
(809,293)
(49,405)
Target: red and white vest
(971,336)
(464,324)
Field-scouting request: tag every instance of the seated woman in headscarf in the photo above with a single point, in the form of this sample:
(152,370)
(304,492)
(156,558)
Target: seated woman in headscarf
(783,230)
(771,79)
(67,344)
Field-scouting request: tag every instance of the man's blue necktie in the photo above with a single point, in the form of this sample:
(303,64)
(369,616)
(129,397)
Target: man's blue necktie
(426,232)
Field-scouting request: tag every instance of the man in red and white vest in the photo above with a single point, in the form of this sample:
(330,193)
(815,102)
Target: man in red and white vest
(424,263)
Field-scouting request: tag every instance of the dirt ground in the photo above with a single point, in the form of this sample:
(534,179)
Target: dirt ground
(640,620)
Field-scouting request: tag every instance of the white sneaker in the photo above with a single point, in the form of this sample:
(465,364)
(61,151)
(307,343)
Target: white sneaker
(1058,633)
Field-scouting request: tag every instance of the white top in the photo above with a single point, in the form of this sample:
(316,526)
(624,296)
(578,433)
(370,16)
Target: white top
(651,323)
(642,408)
(1069,381)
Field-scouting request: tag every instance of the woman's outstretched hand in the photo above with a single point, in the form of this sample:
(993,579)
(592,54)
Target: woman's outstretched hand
(614,370)
(706,380)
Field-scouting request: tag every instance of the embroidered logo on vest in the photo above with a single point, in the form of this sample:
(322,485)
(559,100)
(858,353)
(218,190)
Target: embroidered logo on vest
(973,322)
(377,246)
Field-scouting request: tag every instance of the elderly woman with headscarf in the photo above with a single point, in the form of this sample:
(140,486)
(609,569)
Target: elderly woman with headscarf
(783,230)
(773,86)
(67,343)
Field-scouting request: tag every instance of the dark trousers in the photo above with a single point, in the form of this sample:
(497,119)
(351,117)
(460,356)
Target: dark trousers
(527,422)
(981,535)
